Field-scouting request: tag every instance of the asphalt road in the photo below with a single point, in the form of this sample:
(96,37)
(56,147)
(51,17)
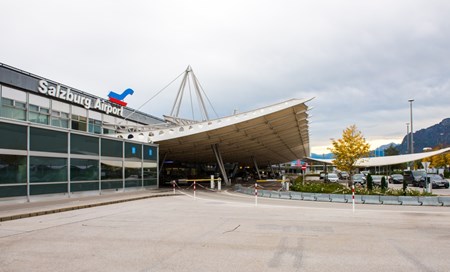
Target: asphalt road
(228,232)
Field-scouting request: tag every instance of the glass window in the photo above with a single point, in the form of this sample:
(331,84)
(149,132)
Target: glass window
(150,153)
(48,140)
(38,189)
(83,186)
(38,114)
(95,126)
(150,173)
(80,144)
(79,122)
(112,148)
(13,190)
(133,150)
(13,109)
(13,136)
(133,174)
(13,169)
(43,169)
(83,170)
(111,170)
(60,119)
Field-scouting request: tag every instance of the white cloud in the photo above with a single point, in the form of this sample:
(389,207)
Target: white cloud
(361,61)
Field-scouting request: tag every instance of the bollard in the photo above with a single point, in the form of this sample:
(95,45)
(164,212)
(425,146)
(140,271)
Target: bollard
(286,183)
(219,184)
(194,189)
(353,197)
(256,194)
(173,184)
(212,181)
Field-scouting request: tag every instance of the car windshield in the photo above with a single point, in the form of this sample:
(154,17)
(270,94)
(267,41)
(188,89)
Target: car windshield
(397,176)
(376,177)
(332,175)
(435,176)
(418,173)
(358,176)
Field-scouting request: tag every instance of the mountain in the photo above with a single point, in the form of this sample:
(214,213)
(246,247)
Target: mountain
(436,135)
(386,146)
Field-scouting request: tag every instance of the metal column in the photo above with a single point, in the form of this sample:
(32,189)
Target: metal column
(256,167)
(215,148)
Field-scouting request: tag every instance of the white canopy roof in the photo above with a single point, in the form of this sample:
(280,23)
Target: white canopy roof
(273,134)
(389,160)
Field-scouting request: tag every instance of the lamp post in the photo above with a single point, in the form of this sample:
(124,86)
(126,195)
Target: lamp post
(407,138)
(411,142)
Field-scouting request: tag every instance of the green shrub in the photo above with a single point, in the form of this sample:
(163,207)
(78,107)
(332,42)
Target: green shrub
(337,188)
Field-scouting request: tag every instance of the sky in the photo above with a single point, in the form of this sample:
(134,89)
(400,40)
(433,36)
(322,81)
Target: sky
(360,61)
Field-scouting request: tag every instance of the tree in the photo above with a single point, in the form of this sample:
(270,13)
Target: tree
(369,180)
(383,184)
(391,151)
(348,150)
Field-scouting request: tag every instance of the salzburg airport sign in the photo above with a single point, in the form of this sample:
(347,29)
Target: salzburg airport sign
(75,98)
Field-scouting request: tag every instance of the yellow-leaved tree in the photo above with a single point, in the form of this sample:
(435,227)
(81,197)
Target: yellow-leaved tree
(348,150)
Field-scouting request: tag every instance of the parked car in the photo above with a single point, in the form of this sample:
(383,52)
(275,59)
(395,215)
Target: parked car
(359,179)
(343,175)
(331,177)
(396,179)
(322,175)
(376,179)
(437,181)
(413,177)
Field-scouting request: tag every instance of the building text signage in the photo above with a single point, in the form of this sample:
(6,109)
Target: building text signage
(87,102)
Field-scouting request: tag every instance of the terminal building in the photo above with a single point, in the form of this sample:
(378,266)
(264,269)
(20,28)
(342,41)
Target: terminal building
(55,139)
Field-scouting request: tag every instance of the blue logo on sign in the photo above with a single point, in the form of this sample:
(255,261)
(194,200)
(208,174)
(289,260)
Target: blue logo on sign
(150,152)
(133,150)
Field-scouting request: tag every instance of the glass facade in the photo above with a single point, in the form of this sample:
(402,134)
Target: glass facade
(92,163)
(48,146)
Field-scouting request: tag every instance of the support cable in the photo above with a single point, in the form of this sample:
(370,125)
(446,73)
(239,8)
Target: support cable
(160,91)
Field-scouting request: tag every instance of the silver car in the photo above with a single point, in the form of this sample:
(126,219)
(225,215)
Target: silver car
(331,177)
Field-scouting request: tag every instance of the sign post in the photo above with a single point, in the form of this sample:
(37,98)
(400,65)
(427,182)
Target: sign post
(303,171)
(428,187)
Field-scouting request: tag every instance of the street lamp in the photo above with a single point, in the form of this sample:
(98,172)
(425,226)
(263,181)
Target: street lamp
(407,138)
(412,130)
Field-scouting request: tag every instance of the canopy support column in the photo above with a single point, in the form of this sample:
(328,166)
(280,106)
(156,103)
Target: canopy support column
(215,148)
(161,164)
(256,167)
(271,169)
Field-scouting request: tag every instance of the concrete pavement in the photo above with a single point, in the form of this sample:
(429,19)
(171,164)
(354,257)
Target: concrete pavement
(228,232)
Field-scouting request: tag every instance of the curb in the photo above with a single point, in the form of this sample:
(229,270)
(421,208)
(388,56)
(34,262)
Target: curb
(32,214)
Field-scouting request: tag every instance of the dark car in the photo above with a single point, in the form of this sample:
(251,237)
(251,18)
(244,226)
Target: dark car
(396,179)
(437,181)
(413,177)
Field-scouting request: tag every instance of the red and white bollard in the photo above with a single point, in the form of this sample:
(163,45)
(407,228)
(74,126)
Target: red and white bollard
(256,194)
(353,197)
(194,189)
